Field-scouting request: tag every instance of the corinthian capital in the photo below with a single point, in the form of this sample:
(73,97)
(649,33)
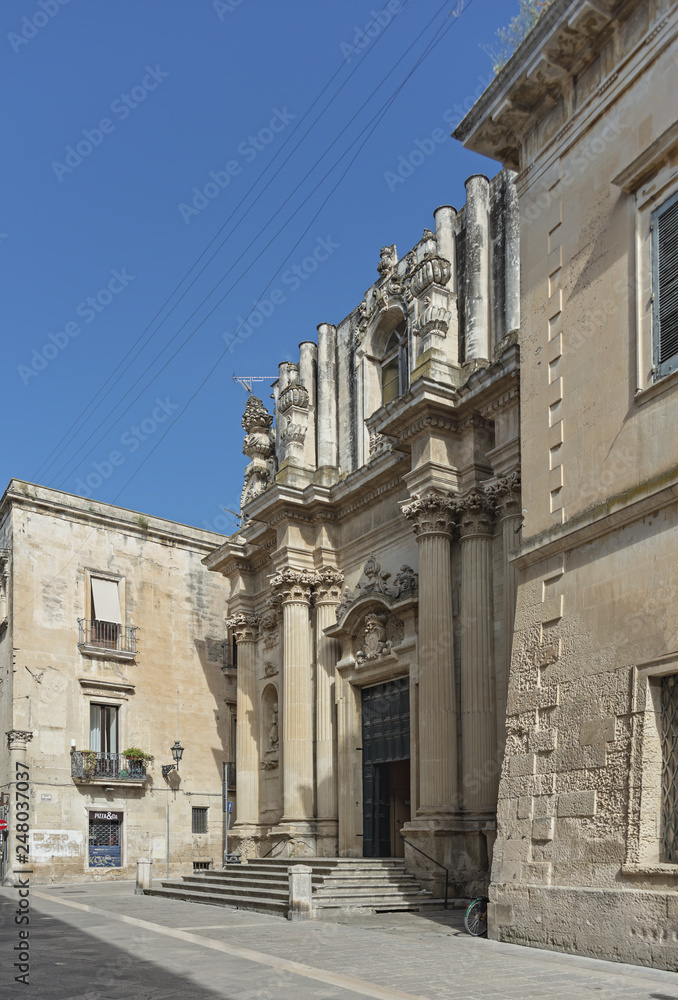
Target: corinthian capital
(432,513)
(506,493)
(477,514)
(244,627)
(294,585)
(18,738)
(327,586)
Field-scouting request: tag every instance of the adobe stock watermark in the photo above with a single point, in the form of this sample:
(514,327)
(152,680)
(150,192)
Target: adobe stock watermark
(122,107)
(363,37)
(87,310)
(224,7)
(293,278)
(30,26)
(130,441)
(422,149)
(248,149)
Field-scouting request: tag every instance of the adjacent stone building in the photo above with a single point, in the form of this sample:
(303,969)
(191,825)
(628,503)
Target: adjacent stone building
(111,639)
(371,596)
(587,852)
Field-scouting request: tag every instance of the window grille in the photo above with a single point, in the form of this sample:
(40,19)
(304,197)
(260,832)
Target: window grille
(199,824)
(664,224)
(669,738)
(202,866)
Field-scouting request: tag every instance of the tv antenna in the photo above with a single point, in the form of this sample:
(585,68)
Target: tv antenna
(247,380)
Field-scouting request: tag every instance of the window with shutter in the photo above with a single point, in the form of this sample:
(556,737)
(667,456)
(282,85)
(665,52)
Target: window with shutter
(664,224)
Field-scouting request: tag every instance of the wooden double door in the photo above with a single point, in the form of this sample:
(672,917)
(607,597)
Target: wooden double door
(386,767)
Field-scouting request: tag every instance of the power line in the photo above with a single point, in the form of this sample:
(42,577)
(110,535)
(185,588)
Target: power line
(430,47)
(96,396)
(231,268)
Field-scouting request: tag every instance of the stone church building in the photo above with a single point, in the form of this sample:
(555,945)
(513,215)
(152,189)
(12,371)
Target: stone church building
(371,595)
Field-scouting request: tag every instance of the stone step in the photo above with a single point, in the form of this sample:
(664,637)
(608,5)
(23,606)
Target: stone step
(191,885)
(237,901)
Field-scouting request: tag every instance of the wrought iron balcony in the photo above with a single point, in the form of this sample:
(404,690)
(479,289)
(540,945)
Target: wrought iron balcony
(92,765)
(97,637)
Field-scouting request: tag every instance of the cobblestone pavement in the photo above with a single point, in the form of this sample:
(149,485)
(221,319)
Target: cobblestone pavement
(102,942)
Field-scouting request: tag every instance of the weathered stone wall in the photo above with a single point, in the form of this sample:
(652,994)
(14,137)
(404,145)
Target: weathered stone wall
(173,689)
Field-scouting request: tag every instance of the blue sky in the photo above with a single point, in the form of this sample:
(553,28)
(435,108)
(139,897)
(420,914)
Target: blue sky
(136,133)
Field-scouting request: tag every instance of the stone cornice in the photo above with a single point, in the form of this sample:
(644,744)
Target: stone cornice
(98,514)
(616,512)
(566,40)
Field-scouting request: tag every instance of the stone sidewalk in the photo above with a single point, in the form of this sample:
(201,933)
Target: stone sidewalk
(101,942)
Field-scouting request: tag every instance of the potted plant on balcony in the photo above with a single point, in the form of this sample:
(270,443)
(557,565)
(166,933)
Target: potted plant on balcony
(137,759)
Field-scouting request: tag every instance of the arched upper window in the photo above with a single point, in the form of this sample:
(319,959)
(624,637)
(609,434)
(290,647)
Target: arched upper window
(395,365)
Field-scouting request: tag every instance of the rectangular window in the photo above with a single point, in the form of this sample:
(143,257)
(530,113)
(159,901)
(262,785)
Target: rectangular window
(664,227)
(103,728)
(199,820)
(106,617)
(669,742)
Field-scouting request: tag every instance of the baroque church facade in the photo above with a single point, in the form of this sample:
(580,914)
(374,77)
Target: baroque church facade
(371,597)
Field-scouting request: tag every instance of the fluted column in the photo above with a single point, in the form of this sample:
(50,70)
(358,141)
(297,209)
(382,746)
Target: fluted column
(18,855)
(506,494)
(480,773)
(245,629)
(433,518)
(294,587)
(327,596)
(477,267)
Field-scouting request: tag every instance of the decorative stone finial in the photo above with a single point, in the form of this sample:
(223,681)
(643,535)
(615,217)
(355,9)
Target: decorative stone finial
(259,446)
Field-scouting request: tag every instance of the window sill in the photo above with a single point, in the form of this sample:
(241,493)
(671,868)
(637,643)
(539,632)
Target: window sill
(650,868)
(658,388)
(106,654)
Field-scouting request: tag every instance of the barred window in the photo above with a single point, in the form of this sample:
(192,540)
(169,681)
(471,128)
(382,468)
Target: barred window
(199,819)
(669,741)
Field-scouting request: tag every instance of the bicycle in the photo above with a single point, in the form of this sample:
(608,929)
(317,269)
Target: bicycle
(475,917)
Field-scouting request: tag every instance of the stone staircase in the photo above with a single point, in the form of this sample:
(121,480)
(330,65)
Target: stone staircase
(364,885)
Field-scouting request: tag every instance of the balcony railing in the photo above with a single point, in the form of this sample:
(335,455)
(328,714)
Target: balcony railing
(107,635)
(91,765)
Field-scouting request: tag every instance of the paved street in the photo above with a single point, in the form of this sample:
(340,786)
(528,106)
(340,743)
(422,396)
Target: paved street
(101,942)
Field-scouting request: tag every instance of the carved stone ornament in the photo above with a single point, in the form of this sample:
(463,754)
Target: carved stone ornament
(506,494)
(294,585)
(292,432)
(374,580)
(406,582)
(432,319)
(432,270)
(294,394)
(15,737)
(375,644)
(327,586)
(346,602)
(244,627)
(433,512)
(388,259)
(477,514)
(270,621)
(269,763)
(270,669)
(259,446)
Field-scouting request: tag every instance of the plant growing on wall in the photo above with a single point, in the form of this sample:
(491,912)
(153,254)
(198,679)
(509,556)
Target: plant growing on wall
(517,30)
(89,763)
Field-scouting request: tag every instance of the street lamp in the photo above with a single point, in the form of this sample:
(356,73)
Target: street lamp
(177,753)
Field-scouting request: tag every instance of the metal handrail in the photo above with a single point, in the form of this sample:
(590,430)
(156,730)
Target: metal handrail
(446,870)
(281,841)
